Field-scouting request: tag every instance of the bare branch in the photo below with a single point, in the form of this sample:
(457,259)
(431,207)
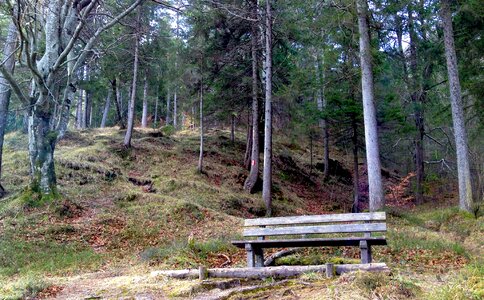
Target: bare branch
(14,85)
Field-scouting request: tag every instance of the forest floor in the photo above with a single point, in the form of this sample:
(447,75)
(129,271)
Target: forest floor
(123,214)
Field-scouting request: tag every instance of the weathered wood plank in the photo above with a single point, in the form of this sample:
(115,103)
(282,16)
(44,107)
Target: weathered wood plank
(337,228)
(316,242)
(375,216)
(275,272)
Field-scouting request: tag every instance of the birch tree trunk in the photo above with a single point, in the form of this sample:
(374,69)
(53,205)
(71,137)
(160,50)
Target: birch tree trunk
(106,109)
(144,117)
(460,133)
(254,157)
(129,131)
(5,92)
(267,174)
(377,200)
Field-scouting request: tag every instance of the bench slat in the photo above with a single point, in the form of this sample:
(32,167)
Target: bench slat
(375,216)
(338,228)
(351,241)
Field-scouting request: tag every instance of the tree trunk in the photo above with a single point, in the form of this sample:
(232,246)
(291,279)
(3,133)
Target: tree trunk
(267,175)
(155,121)
(144,117)
(271,272)
(323,123)
(248,145)
(5,92)
(79,113)
(417,98)
(117,99)
(200,159)
(129,131)
(106,109)
(41,152)
(356,175)
(174,110)
(89,109)
(460,134)
(168,108)
(377,200)
(254,157)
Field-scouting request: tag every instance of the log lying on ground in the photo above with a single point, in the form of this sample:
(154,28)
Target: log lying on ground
(271,259)
(275,272)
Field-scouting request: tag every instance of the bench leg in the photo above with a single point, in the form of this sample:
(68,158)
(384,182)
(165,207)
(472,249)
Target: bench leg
(259,257)
(365,250)
(250,256)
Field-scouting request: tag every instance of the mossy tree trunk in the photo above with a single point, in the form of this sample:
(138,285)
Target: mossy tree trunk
(42,142)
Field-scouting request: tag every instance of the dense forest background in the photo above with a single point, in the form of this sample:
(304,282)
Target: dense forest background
(187,49)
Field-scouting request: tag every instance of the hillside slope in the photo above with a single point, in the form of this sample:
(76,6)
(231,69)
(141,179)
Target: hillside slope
(124,213)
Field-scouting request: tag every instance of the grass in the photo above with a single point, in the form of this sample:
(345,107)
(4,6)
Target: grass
(19,257)
(24,288)
(468,284)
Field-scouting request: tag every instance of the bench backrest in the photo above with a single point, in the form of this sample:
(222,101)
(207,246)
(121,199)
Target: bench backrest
(317,224)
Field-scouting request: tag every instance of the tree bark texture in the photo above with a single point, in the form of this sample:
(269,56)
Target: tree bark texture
(144,116)
(200,158)
(377,200)
(106,109)
(254,156)
(460,133)
(131,112)
(117,100)
(267,173)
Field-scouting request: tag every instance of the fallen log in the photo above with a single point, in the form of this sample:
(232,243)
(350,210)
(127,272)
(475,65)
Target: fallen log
(274,272)
(271,259)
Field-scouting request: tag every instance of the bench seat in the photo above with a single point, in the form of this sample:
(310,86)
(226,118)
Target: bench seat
(313,242)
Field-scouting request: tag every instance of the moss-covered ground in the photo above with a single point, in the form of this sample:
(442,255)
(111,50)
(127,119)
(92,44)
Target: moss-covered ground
(124,213)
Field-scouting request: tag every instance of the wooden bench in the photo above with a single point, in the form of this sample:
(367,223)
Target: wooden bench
(295,232)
